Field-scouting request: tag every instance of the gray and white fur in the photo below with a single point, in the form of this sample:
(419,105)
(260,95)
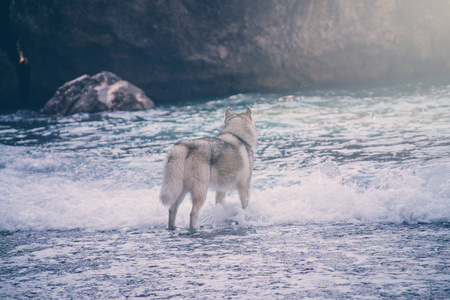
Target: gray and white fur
(223,162)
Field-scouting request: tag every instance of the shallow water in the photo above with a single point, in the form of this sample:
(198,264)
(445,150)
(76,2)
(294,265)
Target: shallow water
(350,198)
(282,261)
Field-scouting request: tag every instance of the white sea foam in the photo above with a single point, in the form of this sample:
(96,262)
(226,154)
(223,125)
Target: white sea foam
(327,194)
(391,197)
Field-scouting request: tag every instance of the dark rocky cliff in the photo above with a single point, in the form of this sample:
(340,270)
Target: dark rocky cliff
(180,49)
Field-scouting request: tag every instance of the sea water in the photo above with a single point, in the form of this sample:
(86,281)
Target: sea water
(350,199)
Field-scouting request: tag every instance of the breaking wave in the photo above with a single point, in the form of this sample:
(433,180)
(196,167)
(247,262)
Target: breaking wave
(46,199)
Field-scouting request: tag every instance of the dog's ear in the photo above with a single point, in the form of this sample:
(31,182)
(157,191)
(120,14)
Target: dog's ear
(249,112)
(228,113)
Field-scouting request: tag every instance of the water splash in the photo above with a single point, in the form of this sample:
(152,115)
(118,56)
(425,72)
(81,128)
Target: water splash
(47,198)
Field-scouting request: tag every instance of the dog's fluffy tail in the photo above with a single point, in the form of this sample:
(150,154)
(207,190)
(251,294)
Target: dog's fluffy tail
(173,179)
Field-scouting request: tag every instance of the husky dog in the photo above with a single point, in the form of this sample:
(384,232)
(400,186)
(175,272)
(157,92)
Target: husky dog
(223,162)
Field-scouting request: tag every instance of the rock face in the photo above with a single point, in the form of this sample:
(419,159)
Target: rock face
(104,91)
(8,82)
(182,49)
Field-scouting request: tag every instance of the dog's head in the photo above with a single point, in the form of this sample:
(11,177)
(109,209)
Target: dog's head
(241,125)
(247,116)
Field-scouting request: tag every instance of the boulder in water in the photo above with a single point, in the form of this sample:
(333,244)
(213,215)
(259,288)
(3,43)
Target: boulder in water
(104,91)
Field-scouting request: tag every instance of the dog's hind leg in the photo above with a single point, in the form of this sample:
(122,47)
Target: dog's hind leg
(244,195)
(198,199)
(220,195)
(174,209)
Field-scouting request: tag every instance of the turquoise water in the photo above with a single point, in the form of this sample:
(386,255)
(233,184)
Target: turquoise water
(350,198)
